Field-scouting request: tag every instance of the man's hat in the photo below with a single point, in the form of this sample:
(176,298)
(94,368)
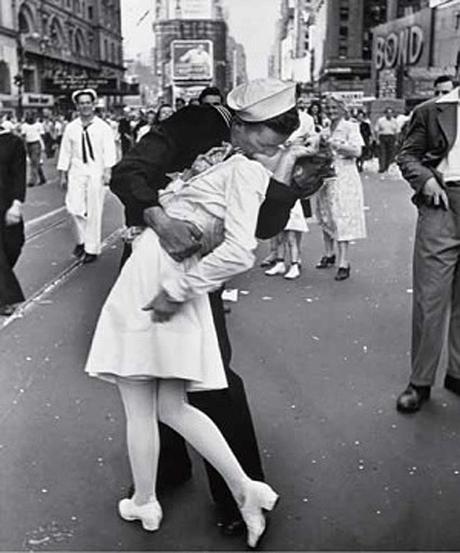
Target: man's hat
(262,99)
(90,91)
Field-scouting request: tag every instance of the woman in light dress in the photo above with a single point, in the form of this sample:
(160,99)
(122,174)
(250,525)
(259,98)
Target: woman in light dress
(340,203)
(155,337)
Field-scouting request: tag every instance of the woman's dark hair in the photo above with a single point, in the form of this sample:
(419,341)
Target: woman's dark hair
(158,113)
(312,104)
(286,123)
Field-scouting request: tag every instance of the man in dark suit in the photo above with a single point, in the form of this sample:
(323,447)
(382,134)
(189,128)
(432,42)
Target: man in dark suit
(136,180)
(430,160)
(12,194)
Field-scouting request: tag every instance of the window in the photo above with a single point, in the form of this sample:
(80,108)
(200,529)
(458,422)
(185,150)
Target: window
(5,78)
(343,41)
(90,12)
(344,10)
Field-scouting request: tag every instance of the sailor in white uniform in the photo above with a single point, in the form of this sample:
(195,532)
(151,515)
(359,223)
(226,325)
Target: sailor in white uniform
(86,156)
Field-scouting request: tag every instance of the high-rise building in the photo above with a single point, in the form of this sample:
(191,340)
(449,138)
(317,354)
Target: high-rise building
(193,48)
(341,42)
(291,57)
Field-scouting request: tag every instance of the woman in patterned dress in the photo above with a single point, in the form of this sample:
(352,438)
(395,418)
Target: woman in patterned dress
(340,203)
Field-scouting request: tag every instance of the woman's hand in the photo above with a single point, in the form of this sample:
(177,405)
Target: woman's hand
(162,307)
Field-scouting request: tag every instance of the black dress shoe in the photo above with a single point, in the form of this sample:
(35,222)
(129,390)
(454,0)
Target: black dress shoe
(7,310)
(326,261)
(89,258)
(79,250)
(343,273)
(452,384)
(412,398)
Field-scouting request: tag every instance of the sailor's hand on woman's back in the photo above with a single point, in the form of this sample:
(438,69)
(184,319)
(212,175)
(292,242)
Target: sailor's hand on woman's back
(180,239)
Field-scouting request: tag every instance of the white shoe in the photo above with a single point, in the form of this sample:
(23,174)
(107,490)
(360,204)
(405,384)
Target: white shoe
(150,514)
(294,272)
(279,268)
(257,497)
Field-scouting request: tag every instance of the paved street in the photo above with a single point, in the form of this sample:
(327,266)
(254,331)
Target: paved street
(322,362)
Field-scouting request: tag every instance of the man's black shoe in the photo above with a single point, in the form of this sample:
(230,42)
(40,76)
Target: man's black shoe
(452,384)
(79,250)
(89,258)
(412,398)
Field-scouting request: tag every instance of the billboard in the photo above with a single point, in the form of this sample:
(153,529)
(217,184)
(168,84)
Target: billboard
(192,60)
(403,42)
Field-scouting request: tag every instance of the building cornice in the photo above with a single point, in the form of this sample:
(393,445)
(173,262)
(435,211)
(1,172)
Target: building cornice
(6,31)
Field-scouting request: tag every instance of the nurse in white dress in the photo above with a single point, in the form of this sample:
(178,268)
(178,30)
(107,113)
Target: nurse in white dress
(155,337)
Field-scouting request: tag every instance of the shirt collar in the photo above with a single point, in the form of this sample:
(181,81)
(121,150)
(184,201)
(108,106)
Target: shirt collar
(452,97)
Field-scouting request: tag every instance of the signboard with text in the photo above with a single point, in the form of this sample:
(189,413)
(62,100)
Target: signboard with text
(403,42)
(191,9)
(192,60)
(104,86)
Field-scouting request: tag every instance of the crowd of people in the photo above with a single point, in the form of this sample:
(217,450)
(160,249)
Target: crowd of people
(195,205)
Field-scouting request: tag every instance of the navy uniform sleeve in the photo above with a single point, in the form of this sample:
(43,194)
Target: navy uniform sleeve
(138,177)
(275,211)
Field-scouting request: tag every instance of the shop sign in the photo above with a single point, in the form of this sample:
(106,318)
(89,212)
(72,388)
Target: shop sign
(31,100)
(403,42)
(68,84)
(350,97)
(192,60)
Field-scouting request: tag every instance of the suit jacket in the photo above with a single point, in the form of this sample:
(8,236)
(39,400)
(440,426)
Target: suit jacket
(430,135)
(12,170)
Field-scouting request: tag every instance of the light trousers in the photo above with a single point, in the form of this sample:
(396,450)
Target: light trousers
(85,203)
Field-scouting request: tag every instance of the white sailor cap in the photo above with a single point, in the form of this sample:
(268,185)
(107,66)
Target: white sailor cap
(82,91)
(262,99)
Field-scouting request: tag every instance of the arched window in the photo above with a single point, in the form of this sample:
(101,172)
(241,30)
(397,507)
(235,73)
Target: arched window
(56,33)
(5,78)
(79,43)
(26,20)
(76,6)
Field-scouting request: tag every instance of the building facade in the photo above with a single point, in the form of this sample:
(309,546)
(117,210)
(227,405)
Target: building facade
(62,42)
(342,41)
(290,58)
(8,54)
(193,48)
(411,51)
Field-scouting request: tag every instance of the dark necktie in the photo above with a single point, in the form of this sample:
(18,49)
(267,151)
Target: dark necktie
(86,141)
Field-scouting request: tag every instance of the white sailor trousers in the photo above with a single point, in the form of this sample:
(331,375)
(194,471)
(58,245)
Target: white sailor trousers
(85,203)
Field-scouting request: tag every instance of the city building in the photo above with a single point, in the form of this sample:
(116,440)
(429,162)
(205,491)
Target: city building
(193,48)
(411,51)
(8,55)
(290,58)
(341,40)
(63,44)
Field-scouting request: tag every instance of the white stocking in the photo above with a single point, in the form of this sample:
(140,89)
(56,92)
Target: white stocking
(200,432)
(140,403)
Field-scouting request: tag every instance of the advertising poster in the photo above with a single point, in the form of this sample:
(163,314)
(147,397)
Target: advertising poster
(192,60)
